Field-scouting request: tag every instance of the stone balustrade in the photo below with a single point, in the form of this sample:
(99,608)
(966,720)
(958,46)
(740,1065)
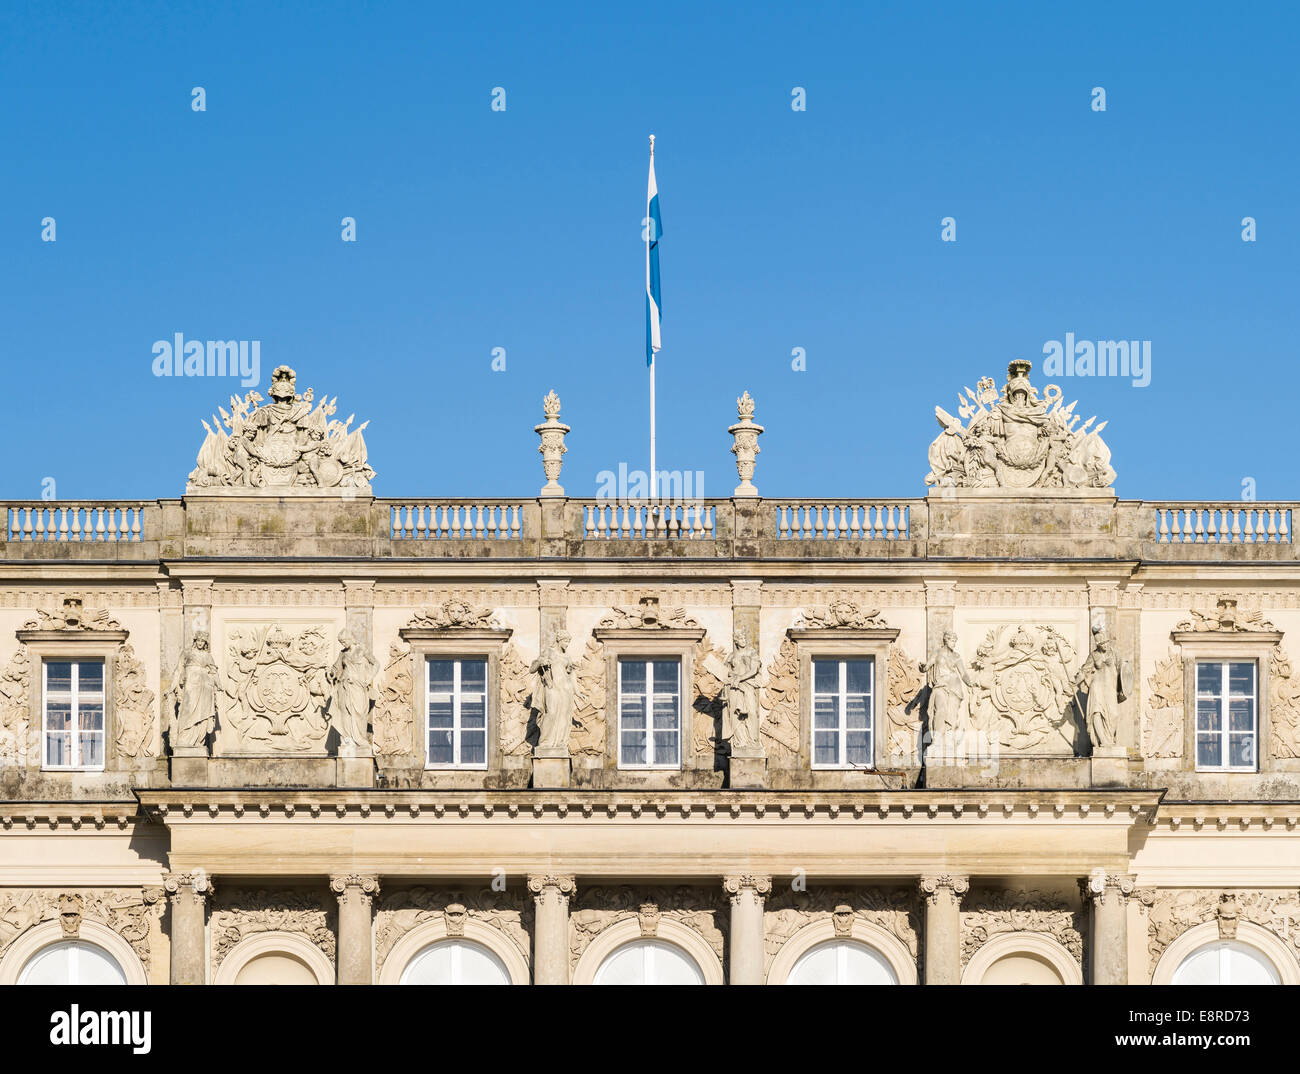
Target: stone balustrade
(1223,523)
(831,520)
(748,528)
(76,521)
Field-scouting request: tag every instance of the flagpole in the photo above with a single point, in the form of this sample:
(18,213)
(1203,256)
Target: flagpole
(654,484)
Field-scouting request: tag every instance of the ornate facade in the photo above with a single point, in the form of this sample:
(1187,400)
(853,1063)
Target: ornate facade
(1016,730)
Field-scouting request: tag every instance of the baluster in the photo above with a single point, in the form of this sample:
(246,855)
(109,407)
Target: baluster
(891,530)
(819,528)
(904,522)
(1162,530)
(600,521)
(112,523)
(1210,533)
(1272,525)
(1177,532)
(782,523)
(1200,526)
(27,524)
(42,534)
(76,523)
(1235,536)
(514,522)
(1282,534)
(1249,536)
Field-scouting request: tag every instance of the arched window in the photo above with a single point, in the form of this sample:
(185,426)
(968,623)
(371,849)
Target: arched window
(649,962)
(72,962)
(842,962)
(455,962)
(1226,962)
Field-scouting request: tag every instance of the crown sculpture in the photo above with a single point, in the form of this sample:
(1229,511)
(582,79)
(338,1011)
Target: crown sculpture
(1017,440)
(281,444)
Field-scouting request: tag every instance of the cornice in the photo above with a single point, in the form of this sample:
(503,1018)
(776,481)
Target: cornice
(53,816)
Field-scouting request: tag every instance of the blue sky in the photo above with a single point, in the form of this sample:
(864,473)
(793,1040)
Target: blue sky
(521,229)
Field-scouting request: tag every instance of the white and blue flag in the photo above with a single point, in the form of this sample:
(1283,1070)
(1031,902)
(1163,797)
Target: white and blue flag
(653,230)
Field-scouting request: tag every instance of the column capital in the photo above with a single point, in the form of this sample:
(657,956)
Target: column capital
(930,886)
(365,885)
(1098,884)
(735,883)
(564,885)
(197,882)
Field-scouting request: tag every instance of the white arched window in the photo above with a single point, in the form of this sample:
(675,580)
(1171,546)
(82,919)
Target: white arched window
(72,962)
(1226,963)
(649,962)
(842,962)
(455,962)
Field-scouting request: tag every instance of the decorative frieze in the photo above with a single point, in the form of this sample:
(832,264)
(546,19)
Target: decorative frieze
(128,912)
(237,914)
(598,908)
(399,911)
(787,911)
(1171,912)
(992,913)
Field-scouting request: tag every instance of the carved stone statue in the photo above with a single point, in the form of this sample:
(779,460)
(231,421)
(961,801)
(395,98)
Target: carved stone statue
(1017,440)
(555,676)
(1106,678)
(351,677)
(743,671)
(281,444)
(192,699)
(947,678)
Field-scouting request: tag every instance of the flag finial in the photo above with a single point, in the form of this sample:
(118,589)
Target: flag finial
(652,145)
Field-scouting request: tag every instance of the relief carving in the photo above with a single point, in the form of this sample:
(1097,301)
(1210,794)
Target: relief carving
(72,616)
(1165,716)
(742,717)
(1172,912)
(708,721)
(239,914)
(992,913)
(841,613)
(647,615)
(903,706)
(351,678)
(1016,440)
(276,689)
(18,743)
(1283,705)
(453,612)
(1225,619)
(517,738)
(281,444)
(397,912)
(393,719)
(588,736)
(1107,678)
(1022,694)
(128,913)
(787,911)
(191,703)
(132,707)
(596,909)
(556,689)
(780,698)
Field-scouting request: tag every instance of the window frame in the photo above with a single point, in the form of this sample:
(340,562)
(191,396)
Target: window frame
(841,731)
(74,732)
(650,694)
(1225,732)
(456,765)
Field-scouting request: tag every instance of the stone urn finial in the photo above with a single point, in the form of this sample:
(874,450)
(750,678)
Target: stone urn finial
(745,445)
(552,448)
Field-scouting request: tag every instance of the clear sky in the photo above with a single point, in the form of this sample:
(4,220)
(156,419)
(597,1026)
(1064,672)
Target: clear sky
(521,229)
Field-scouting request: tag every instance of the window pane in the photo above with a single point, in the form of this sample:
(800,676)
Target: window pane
(473,747)
(1241,678)
(633,712)
(1208,752)
(90,676)
(1207,714)
(858,711)
(92,750)
(1241,751)
(473,711)
(665,712)
(441,712)
(58,715)
(858,748)
(825,747)
(58,676)
(633,672)
(667,673)
(1209,679)
(442,676)
(634,747)
(665,747)
(58,749)
(473,676)
(826,711)
(440,751)
(858,676)
(826,676)
(90,715)
(1241,714)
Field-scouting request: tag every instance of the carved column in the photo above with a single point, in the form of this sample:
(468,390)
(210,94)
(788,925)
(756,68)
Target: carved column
(1108,896)
(943,895)
(356,896)
(748,894)
(551,896)
(187,893)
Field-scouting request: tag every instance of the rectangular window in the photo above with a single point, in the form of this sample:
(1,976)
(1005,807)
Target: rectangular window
(457,709)
(73,697)
(842,724)
(649,713)
(1226,716)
